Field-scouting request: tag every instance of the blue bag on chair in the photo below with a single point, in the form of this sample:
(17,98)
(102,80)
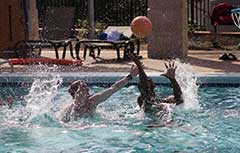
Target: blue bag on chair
(103,36)
(113,35)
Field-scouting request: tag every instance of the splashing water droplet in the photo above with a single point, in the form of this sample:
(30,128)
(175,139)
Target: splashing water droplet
(40,97)
(188,83)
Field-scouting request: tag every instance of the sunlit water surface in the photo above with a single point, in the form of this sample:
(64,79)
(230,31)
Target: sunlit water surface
(119,126)
(209,121)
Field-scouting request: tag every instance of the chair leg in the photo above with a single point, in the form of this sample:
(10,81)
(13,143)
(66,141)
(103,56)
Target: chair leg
(125,50)
(77,50)
(56,51)
(71,49)
(64,51)
(31,52)
(92,52)
(99,51)
(118,53)
(85,52)
(40,51)
(125,53)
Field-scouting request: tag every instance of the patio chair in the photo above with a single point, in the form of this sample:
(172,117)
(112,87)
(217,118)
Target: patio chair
(126,41)
(56,33)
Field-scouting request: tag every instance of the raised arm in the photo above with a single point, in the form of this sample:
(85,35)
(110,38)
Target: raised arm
(170,74)
(105,94)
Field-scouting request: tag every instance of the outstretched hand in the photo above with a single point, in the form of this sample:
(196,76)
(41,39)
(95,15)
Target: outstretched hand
(170,72)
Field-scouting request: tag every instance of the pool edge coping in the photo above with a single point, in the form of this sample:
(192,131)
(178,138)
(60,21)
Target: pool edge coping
(111,77)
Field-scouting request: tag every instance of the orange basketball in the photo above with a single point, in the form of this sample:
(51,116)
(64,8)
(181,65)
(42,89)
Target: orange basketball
(141,26)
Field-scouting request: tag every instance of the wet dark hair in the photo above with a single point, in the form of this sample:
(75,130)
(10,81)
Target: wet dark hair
(74,87)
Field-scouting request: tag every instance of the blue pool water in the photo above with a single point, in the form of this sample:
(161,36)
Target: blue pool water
(208,122)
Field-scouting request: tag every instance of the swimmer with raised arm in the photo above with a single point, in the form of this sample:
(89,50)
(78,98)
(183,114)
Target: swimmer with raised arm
(158,106)
(147,100)
(84,104)
(177,92)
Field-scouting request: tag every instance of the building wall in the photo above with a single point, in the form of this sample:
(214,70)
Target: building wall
(11,23)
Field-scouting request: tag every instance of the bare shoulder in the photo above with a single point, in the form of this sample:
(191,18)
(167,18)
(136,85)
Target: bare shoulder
(98,97)
(94,100)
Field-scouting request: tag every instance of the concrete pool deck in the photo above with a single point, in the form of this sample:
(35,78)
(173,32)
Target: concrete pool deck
(201,61)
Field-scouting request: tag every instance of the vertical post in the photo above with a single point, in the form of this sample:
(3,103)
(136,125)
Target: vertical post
(169,36)
(201,13)
(204,13)
(91,28)
(192,11)
(25,12)
(197,13)
(131,10)
(10,22)
(33,27)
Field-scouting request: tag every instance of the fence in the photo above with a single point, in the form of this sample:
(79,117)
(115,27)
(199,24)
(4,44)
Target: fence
(121,12)
(199,13)
(112,12)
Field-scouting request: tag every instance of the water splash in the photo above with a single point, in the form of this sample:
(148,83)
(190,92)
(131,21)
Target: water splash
(42,92)
(188,83)
(165,115)
(39,102)
(43,68)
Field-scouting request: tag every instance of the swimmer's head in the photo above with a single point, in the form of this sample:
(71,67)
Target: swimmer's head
(79,87)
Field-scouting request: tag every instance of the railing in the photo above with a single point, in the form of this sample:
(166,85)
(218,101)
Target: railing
(121,12)
(111,12)
(199,13)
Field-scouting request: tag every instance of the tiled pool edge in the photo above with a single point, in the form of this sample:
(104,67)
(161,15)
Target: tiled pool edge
(232,79)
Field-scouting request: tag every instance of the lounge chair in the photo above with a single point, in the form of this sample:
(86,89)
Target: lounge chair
(56,33)
(127,42)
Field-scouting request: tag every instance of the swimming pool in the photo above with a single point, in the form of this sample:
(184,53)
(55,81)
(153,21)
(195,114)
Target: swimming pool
(32,125)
